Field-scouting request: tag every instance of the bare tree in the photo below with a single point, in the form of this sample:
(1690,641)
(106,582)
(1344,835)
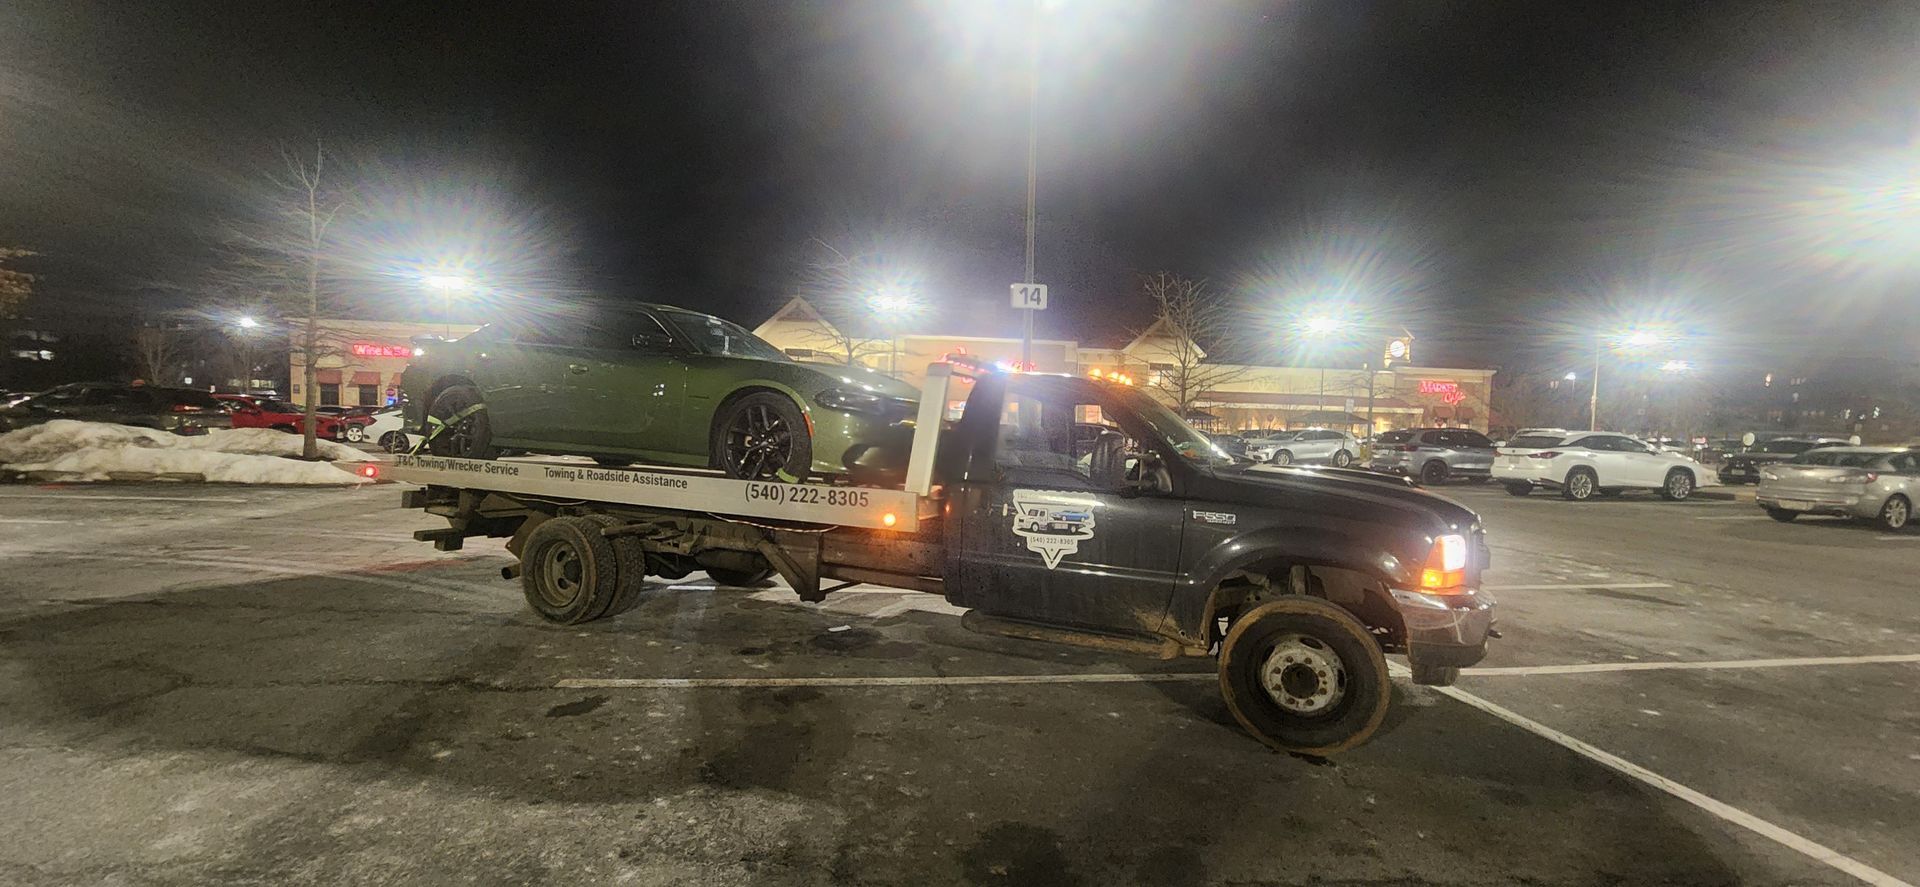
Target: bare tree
(840,286)
(15,286)
(283,257)
(156,352)
(1184,317)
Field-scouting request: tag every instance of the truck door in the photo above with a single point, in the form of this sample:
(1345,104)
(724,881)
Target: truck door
(1051,529)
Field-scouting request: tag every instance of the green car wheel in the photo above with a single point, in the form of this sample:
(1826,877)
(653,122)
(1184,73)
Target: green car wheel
(762,436)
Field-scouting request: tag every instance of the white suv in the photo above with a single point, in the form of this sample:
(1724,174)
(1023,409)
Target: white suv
(1584,464)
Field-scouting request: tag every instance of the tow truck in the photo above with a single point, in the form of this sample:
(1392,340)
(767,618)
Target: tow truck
(1142,537)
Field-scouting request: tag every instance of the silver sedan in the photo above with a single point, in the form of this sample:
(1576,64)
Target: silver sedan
(1876,484)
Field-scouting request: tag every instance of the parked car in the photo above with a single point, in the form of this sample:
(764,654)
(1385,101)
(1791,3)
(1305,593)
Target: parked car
(1744,467)
(389,430)
(1874,484)
(631,382)
(179,410)
(1262,448)
(1585,464)
(1434,455)
(249,411)
(1231,444)
(1315,445)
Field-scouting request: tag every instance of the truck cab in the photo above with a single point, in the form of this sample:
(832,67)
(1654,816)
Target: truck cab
(1148,530)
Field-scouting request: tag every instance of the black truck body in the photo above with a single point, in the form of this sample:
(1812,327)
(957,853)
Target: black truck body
(1141,537)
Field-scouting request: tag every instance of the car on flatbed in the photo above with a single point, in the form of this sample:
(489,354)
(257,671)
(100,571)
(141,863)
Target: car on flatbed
(1877,485)
(1140,536)
(641,382)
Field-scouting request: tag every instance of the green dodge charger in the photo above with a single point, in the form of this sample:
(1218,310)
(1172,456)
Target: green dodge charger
(654,383)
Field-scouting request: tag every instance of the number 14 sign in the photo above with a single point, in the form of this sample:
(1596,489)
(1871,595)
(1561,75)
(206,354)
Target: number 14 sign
(1032,296)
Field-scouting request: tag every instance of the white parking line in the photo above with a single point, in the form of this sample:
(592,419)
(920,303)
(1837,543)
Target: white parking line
(227,499)
(1735,517)
(30,520)
(1600,667)
(902,681)
(1724,811)
(1898,538)
(1574,586)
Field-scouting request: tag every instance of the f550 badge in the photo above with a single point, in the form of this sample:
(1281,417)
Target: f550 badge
(1052,523)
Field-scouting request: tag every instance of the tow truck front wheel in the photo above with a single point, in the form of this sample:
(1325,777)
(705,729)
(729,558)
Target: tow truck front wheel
(569,570)
(1304,676)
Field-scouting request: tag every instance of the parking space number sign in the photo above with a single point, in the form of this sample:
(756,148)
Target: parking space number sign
(1032,296)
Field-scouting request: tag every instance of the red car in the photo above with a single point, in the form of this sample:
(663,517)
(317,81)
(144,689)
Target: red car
(265,412)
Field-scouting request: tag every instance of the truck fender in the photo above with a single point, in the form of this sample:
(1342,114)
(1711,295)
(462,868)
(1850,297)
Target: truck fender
(1194,602)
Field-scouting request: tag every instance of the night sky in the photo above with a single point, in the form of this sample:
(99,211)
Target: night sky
(1502,178)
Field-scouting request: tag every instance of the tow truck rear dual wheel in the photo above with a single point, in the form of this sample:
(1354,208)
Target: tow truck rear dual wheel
(1304,676)
(569,572)
(630,557)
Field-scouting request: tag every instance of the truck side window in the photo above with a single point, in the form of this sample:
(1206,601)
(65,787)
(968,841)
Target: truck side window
(1036,444)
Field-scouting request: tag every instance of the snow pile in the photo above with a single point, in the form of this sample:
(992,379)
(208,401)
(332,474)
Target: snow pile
(96,451)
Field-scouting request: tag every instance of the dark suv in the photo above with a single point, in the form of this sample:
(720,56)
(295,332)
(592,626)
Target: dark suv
(1744,468)
(179,410)
(1434,455)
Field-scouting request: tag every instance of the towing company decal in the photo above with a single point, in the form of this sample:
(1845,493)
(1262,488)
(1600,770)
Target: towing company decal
(1052,523)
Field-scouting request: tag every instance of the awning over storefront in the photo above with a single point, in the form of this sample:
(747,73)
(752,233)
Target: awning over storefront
(326,377)
(1259,400)
(366,378)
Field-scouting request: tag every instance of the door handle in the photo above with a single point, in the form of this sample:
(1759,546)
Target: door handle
(578,369)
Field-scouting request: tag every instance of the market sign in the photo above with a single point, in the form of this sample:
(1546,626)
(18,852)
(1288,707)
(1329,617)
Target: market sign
(375,349)
(1446,390)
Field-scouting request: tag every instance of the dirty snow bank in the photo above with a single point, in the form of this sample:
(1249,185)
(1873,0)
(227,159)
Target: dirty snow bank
(95,450)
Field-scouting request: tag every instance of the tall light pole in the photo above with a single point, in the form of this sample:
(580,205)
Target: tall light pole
(1320,328)
(1033,166)
(1630,339)
(448,285)
(892,305)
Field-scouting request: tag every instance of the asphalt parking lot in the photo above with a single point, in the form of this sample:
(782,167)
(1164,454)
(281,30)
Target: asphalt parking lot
(210,684)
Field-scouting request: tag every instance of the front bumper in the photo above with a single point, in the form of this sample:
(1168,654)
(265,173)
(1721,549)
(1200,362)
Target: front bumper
(1738,474)
(1445,630)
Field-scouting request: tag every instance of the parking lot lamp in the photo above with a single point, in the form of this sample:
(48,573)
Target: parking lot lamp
(448,286)
(1627,340)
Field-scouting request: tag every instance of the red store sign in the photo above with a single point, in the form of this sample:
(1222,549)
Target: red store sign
(374,349)
(1447,391)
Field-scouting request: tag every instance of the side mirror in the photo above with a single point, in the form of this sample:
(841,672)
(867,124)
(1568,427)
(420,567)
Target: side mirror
(652,341)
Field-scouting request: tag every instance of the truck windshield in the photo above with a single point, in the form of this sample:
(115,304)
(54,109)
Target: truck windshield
(1189,442)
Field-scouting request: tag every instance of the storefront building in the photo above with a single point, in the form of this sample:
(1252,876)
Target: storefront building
(361,360)
(1230,397)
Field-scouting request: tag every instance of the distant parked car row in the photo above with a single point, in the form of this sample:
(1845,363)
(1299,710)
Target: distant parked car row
(179,410)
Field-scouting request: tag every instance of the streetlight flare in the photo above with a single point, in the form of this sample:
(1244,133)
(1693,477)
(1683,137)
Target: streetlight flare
(1321,325)
(448,283)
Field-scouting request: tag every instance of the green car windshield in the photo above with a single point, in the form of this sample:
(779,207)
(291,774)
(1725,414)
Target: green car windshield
(715,336)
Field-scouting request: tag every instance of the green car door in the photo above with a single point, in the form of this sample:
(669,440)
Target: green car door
(625,393)
(520,375)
